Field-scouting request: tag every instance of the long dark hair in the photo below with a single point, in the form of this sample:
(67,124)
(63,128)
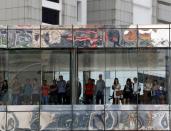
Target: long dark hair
(129,80)
(116,81)
(6,83)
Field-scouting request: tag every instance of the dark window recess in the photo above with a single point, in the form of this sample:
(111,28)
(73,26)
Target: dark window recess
(56,1)
(50,16)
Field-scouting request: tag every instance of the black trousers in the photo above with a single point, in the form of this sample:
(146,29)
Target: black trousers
(89,99)
(62,98)
(99,97)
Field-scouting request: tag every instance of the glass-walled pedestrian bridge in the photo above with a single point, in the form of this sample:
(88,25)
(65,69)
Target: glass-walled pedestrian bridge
(89,77)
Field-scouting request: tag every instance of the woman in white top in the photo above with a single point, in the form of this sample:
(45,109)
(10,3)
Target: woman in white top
(147,91)
(117,92)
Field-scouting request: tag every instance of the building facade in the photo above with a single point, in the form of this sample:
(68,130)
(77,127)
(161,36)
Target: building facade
(117,12)
(125,12)
(45,70)
(56,12)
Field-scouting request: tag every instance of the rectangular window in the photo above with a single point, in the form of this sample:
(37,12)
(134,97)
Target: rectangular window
(50,16)
(56,1)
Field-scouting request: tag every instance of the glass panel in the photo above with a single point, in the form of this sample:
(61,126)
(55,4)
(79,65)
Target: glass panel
(90,70)
(123,37)
(22,121)
(90,37)
(3,37)
(56,74)
(153,36)
(24,77)
(121,65)
(3,77)
(61,120)
(121,120)
(24,37)
(3,121)
(152,76)
(56,37)
(153,120)
(88,120)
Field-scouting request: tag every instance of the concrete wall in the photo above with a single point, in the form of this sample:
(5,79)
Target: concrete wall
(118,12)
(20,12)
(69,12)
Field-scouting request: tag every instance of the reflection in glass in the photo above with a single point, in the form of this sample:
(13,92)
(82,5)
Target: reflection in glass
(88,120)
(24,37)
(121,120)
(91,38)
(3,121)
(59,120)
(153,120)
(24,77)
(121,37)
(89,68)
(151,70)
(56,73)
(56,38)
(3,37)
(153,37)
(22,121)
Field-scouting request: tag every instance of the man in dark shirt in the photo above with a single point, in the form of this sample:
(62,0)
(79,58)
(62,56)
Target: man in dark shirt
(53,93)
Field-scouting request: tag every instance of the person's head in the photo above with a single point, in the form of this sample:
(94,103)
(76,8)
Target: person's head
(60,77)
(27,81)
(100,76)
(116,81)
(135,79)
(89,81)
(93,81)
(5,82)
(44,82)
(128,81)
(54,82)
(155,82)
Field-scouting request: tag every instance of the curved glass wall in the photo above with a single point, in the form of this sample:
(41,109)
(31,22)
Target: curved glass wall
(85,77)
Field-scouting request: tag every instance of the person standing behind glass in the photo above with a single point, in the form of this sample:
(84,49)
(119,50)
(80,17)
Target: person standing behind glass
(117,92)
(128,91)
(61,85)
(68,92)
(45,92)
(89,91)
(155,92)
(147,91)
(53,93)
(15,91)
(4,91)
(136,91)
(27,92)
(36,92)
(99,90)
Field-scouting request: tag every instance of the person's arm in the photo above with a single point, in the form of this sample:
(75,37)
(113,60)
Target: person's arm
(104,85)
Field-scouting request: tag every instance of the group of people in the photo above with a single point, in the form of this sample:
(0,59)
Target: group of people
(32,92)
(153,92)
(60,92)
